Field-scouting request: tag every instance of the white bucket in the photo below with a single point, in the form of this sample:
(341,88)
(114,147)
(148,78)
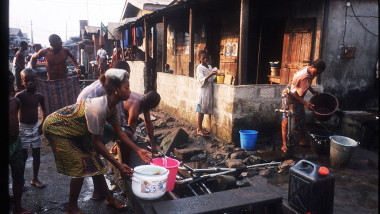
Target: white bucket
(149,181)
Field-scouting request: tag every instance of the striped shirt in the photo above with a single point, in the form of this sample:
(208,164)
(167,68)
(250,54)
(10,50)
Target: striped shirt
(96,90)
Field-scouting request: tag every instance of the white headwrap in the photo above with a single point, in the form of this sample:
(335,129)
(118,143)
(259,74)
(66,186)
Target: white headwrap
(115,73)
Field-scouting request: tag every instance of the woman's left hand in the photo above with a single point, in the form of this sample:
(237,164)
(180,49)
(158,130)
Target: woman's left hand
(125,170)
(145,155)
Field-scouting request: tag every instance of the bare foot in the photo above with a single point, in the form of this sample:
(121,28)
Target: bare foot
(21,211)
(37,183)
(115,203)
(284,149)
(96,196)
(303,143)
(74,211)
(113,149)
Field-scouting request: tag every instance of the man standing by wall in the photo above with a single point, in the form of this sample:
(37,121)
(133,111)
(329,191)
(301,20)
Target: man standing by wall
(59,89)
(20,64)
(102,56)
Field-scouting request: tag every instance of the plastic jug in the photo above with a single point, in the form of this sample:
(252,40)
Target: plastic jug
(311,188)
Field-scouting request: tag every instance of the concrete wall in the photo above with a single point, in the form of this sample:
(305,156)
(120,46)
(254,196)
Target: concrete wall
(137,77)
(254,107)
(235,107)
(178,96)
(352,80)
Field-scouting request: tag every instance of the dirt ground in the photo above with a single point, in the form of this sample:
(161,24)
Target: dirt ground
(356,186)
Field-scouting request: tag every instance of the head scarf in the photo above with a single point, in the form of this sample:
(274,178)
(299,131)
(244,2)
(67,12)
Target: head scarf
(117,74)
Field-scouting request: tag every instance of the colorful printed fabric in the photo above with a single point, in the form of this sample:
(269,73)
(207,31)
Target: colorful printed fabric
(15,153)
(298,113)
(66,131)
(58,93)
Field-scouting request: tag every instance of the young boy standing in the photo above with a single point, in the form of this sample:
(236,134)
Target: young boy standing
(30,128)
(205,77)
(14,148)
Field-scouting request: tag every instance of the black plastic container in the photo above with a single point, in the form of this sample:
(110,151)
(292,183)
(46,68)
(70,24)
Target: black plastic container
(311,188)
(320,140)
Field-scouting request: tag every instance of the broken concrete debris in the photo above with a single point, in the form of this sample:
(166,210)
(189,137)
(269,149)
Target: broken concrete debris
(174,140)
(234,163)
(186,154)
(225,182)
(284,166)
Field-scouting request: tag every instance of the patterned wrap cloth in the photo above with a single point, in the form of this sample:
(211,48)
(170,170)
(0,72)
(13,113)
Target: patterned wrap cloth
(15,153)
(66,130)
(58,93)
(298,110)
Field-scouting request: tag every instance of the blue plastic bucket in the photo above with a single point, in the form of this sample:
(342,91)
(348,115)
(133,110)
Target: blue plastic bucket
(248,139)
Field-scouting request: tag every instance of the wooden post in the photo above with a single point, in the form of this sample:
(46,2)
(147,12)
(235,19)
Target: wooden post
(164,42)
(191,43)
(154,42)
(243,42)
(146,35)
(122,45)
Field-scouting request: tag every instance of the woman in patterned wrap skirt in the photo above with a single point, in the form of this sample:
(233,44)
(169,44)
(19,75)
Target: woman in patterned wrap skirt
(75,135)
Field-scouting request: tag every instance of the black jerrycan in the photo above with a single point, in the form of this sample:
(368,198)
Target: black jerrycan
(311,188)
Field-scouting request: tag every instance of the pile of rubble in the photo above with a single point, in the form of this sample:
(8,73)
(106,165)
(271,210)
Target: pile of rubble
(177,138)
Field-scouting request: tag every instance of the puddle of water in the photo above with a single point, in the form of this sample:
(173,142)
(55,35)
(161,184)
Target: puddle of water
(279,179)
(366,201)
(362,188)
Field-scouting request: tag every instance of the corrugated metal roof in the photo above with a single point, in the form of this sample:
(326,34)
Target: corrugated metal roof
(92,29)
(174,4)
(15,31)
(144,4)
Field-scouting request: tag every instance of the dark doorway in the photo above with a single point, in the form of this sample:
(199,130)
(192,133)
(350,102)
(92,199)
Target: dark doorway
(271,44)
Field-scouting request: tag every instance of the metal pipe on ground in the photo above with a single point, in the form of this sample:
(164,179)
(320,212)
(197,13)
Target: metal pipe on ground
(203,186)
(205,177)
(173,195)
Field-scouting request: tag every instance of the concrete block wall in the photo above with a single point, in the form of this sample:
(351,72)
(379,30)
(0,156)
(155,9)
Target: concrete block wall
(222,123)
(235,107)
(137,77)
(178,94)
(254,107)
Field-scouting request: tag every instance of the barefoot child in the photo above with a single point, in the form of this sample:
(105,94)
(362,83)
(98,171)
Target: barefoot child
(30,128)
(205,77)
(15,152)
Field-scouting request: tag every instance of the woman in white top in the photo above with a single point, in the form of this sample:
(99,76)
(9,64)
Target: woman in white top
(75,135)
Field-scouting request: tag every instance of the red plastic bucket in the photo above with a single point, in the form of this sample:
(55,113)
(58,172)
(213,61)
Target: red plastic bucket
(172,165)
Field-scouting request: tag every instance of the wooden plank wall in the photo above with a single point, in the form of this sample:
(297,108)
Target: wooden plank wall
(228,64)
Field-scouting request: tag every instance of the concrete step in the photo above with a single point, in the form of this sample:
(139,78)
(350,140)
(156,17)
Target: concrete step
(235,200)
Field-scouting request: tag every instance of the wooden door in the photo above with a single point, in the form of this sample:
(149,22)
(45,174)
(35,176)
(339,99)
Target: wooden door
(229,49)
(297,47)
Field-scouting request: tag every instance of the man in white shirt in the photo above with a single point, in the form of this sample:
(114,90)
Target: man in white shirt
(101,57)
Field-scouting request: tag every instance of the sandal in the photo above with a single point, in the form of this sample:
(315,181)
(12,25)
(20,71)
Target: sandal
(205,131)
(202,133)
